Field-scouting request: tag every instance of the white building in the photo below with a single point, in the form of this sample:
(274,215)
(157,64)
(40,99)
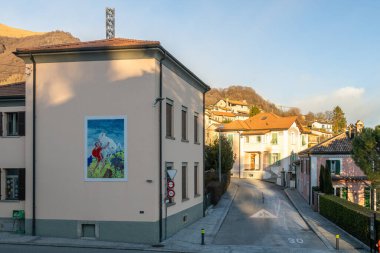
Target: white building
(322,126)
(265,144)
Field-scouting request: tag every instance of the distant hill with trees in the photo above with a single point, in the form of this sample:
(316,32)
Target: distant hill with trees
(12,69)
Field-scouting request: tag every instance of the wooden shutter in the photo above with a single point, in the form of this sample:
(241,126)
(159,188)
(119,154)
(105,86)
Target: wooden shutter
(337,167)
(328,165)
(21,123)
(169,132)
(21,184)
(1,124)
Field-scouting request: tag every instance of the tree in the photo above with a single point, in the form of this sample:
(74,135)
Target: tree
(254,110)
(339,121)
(321,179)
(366,154)
(212,155)
(328,188)
(366,151)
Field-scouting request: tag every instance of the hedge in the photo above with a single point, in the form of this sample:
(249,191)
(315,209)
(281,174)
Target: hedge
(351,217)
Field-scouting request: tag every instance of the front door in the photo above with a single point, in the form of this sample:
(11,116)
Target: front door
(252,163)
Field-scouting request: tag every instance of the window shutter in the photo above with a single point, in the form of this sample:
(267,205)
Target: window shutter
(21,123)
(328,165)
(270,158)
(337,167)
(1,124)
(21,184)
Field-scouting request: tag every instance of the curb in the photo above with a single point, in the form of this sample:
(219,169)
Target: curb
(310,224)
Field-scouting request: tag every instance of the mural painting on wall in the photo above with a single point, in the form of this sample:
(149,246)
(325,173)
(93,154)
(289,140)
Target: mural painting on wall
(106,148)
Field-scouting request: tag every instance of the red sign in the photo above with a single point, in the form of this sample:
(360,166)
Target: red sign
(171,193)
(170,184)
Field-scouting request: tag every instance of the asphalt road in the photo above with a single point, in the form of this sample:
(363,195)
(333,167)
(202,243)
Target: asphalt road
(262,215)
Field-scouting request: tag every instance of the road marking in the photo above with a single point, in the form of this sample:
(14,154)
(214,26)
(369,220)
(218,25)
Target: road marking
(263,214)
(296,240)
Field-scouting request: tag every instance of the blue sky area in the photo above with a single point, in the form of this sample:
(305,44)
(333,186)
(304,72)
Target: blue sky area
(310,54)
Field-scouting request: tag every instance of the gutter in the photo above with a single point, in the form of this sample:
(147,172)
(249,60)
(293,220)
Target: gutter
(34,148)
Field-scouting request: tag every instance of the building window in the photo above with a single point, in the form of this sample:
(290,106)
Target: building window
(258,139)
(184,123)
(303,140)
(334,165)
(247,139)
(15,184)
(14,124)
(275,159)
(169,118)
(196,140)
(170,191)
(292,138)
(274,139)
(184,181)
(230,138)
(196,180)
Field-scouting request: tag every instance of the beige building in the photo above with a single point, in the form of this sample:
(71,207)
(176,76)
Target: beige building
(114,142)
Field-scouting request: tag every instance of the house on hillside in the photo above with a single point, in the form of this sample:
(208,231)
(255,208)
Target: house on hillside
(265,145)
(324,126)
(234,106)
(113,146)
(349,181)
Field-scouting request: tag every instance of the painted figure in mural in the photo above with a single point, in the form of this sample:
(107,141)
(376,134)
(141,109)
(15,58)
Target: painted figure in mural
(97,153)
(111,145)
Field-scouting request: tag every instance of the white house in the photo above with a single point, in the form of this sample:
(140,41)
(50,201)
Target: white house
(324,126)
(234,106)
(265,145)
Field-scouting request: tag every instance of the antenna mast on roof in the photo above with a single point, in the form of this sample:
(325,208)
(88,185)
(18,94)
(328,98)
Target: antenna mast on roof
(110,23)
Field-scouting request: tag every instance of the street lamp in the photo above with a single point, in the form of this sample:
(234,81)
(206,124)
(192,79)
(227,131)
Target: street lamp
(220,155)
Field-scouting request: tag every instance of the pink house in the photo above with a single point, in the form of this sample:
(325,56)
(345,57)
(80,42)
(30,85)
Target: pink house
(349,181)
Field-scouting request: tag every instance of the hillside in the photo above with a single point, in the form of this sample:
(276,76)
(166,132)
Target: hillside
(12,69)
(241,93)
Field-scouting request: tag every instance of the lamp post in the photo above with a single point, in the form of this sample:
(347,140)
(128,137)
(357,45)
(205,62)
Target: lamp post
(220,155)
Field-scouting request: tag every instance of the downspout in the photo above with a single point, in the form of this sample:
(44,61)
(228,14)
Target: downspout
(160,151)
(310,189)
(34,149)
(204,155)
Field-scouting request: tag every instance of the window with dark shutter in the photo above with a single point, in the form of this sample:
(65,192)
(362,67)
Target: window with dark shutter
(196,128)
(1,124)
(196,180)
(184,123)
(21,184)
(21,123)
(184,181)
(169,120)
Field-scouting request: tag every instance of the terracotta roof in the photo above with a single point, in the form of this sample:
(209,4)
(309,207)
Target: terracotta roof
(13,90)
(227,114)
(339,144)
(237,102)
(262,121)
(96,44)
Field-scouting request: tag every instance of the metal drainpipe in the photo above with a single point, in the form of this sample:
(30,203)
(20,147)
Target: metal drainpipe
(160,151)
(203,151)
(34,148)
(310,189)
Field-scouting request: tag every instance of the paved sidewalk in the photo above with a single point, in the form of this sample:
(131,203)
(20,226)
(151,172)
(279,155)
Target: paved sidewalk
(325,229)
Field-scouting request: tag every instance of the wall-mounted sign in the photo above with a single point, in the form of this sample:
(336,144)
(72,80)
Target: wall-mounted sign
(105,148)
(170,184)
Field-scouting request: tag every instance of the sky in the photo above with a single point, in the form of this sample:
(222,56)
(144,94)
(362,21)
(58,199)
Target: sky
(314,55)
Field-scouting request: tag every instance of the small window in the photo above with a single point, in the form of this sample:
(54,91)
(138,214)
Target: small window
(303,140)
(196,180)
(184,123)
(230,138)
(169,119)
(196,137)
(258,139)
(246,139)
(14,123)
(276,159)
(15,184)
(274,139)
(184,181)
(334,165)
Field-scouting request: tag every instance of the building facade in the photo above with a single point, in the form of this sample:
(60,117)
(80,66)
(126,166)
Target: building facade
(116,151)
(348,180)
(265,145)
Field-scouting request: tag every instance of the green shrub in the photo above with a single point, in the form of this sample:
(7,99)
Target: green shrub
(216,190)
(351,217)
